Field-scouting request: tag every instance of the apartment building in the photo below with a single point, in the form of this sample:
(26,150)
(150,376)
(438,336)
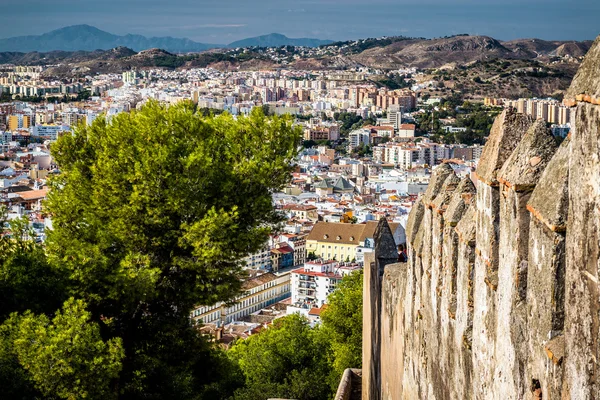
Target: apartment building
(259,292)
(549,110)
(316,280)
(358,137)
(322,132)
(260,260)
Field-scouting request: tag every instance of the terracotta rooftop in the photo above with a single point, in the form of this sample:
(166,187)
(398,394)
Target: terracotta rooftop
(259,280)
(33,194)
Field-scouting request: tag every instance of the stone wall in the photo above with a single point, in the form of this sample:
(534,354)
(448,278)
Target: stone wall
(499,298)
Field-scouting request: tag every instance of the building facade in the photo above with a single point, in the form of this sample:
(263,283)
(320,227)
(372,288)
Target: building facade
(259,293)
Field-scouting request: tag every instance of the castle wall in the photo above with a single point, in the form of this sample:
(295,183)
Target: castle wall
(500,296)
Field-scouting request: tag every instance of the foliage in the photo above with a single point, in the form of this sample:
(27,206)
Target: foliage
(151,214)
(83,95)
(66,357)
(350,121)
(396,81)
(284,361)
(342,326)
(307,144)
(266,109)
(207,112)
(292,360)
(27,280)
(363,150)
(15,381)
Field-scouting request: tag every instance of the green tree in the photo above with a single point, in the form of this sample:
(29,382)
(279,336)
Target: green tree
(27,280)
(66,357)
(151,215)
(307,144)
(15,381)
(287,360)
(341,326)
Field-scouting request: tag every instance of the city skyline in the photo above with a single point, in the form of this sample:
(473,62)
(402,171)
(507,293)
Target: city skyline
(325,19)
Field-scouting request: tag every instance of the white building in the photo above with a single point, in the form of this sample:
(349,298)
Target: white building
(49,131)
(259,292)
(312,283)
(454,129)
(406,131)
(358,137)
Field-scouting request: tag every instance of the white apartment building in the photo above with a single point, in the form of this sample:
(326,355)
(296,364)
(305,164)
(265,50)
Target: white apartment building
(50,132)
(312,283)
(409,155)
(358,137)
(259,292)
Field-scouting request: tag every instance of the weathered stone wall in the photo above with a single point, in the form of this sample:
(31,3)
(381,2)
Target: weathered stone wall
(499,298)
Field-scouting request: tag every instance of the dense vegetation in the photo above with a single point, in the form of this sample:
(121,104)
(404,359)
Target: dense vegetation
(351,121)
(396,81)
(151,214)
(292,360)
(475,117)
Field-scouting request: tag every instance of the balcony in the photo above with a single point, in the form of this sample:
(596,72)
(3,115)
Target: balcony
(308,285)
(306,278)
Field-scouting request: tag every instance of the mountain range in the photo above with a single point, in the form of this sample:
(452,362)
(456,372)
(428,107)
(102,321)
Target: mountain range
(89,38)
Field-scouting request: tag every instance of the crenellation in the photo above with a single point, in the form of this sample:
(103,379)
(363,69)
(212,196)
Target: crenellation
(414,220)
(582,297)
(518,177)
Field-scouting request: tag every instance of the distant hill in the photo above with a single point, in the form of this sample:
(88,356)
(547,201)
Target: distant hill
(89,38)
(538,47)
(276,40)
(431,53)
(463,49)
(381,53)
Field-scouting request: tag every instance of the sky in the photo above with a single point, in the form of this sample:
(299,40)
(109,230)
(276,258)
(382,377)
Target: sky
(210,21)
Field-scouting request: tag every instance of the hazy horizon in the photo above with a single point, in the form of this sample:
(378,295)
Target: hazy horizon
(324,19)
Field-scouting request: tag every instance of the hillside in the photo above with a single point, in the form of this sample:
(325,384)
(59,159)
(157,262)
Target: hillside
(502,78)
(464,58)
(538,47)
(436,52)
(276,40)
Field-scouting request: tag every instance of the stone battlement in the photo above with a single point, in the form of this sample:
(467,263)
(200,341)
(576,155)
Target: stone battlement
(500,297)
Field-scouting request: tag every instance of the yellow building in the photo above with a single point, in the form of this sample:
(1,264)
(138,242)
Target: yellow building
(19,121)
(345,242)
(13,123)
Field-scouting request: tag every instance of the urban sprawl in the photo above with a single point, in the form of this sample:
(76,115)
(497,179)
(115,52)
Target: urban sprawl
(367,155)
